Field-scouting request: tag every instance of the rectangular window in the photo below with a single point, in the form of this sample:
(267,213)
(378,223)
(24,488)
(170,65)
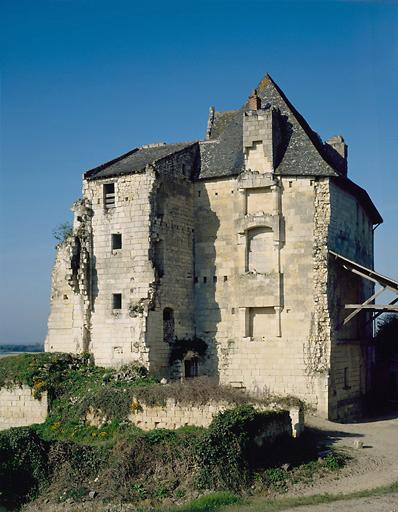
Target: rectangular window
(116,241)
(191,367)
(116,301)
(109,195)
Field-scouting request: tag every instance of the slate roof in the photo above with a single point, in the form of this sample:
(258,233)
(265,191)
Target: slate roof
(135,160)
(302,153)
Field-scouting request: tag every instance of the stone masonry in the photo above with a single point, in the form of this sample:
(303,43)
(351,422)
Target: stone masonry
(19,408)
(223,244)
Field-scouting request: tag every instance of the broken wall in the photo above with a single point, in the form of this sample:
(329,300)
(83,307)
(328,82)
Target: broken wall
(66,318)
(172,253)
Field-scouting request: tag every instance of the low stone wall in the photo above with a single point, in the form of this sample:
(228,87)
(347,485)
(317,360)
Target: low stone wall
(174,415)
(18,408)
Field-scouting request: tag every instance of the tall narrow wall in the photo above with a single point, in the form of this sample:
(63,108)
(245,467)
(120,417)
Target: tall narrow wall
(172,253)
(351,235)
(118,333)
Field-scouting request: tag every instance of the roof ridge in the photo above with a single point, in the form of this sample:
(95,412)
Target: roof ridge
(312,135)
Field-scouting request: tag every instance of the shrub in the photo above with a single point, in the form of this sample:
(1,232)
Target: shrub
(23,466)
(228,453)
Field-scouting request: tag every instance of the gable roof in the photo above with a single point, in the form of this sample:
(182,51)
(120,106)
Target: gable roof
(135,160)
(303,152)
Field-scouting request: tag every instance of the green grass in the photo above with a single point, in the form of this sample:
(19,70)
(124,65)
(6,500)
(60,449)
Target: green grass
(209,503)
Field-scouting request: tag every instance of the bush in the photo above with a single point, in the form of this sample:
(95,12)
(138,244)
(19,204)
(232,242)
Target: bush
(23,466)
(228,453)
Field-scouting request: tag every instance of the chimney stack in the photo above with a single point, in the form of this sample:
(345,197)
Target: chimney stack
(254,101)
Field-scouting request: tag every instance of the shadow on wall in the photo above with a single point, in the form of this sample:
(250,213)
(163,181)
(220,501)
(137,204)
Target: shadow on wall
(207,313)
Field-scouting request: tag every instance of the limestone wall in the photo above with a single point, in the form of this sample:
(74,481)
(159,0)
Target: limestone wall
(118,334)
(18,408)
(172,243)
(174,415)
(350,235)
(65,322)
(276,360)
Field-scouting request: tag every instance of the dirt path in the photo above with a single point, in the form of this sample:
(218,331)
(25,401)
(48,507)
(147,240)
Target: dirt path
(374,504)
(373,466)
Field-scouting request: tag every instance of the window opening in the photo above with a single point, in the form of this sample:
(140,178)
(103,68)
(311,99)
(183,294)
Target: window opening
(109,195)
(191,368)
(116,241)
(117,301)
(168,325)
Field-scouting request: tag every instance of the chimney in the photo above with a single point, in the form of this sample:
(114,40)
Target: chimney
(210,122)
(338,144)
(254,101)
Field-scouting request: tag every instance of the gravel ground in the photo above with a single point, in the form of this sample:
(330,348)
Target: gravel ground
(376,504)
(375,465)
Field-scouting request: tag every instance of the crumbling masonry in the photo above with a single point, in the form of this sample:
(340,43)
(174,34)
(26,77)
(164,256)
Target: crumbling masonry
(222,246)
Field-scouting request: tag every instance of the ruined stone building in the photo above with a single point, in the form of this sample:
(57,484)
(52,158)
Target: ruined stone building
(215,257)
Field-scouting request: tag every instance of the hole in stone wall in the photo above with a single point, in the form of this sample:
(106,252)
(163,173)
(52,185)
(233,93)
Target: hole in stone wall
(116,241)
(116,301)
(346,378)
(159,257)
(205,279)
(168,325)
(290,184)
(196,279)
(225,278)
(214,279)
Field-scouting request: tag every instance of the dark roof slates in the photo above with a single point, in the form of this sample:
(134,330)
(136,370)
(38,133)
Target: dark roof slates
(135,160)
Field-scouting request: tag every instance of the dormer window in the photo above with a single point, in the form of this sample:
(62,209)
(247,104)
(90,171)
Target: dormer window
(109,195)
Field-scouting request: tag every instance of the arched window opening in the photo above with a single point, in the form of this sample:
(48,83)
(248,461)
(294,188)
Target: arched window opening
(168,325)
(260,250)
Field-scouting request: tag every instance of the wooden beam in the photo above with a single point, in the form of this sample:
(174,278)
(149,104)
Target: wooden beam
(356,311)
(394,301)
(375,307)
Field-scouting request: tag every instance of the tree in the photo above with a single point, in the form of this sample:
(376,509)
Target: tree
(62,232)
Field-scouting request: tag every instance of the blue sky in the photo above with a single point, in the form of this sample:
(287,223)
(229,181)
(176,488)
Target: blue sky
(83,81)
